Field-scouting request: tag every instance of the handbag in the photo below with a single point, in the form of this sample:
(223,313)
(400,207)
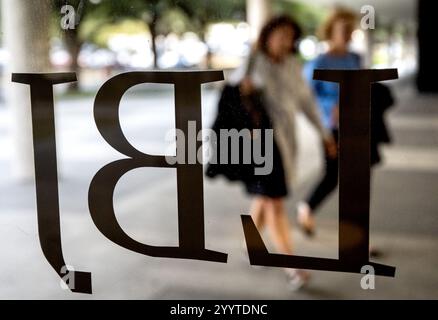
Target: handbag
(239,112)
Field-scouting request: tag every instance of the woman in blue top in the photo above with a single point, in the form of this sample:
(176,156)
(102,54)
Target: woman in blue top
(337,31)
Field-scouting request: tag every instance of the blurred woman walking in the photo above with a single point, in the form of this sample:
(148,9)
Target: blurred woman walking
(337,31)
(274,69)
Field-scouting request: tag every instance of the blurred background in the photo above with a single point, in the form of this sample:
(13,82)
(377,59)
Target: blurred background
(108,37)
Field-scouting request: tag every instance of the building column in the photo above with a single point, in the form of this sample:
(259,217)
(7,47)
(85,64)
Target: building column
(428,51)
(258,13)
(26,39)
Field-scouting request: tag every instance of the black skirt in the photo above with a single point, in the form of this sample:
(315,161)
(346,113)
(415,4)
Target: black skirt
(234,112)
(272,185)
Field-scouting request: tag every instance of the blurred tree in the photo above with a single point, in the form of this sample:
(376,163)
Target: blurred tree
(97,13)
(308,16)
(202,13)
(92,15)
(161,17)
(155,9)
(199,13)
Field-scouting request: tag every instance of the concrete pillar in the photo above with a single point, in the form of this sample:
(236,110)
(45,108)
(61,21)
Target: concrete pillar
(258,13)
(26,38)
(392,41)
(369,50)
(427,49)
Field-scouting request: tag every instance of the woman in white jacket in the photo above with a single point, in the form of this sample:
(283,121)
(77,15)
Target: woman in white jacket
(277,72)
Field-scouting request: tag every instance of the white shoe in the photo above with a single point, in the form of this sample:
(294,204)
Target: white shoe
(297,279)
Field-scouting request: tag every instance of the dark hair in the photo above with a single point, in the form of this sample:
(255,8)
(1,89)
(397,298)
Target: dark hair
(326,30)
(272,25)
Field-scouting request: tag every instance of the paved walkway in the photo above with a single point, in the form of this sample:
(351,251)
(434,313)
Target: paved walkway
(404,218)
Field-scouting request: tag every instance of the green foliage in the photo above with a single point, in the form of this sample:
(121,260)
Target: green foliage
(127,26)
(167,16)
(309,17)
(174,21)
(98,19)
(96,15)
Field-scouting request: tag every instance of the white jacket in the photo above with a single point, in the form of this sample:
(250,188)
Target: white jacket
(286,93)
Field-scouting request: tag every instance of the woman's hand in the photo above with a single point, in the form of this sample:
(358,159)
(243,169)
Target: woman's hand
(246,86)
(331,147)
(335,116)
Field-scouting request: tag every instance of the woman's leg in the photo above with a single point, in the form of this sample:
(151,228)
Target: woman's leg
(306,210)
(258,212)
(326,185)
(277,221)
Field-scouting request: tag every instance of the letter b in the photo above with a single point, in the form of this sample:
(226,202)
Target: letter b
(189,177)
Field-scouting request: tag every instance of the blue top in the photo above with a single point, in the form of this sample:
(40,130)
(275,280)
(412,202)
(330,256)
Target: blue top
(327,93)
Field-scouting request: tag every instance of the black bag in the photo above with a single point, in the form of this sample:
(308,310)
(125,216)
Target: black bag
(239,112)
(381,100)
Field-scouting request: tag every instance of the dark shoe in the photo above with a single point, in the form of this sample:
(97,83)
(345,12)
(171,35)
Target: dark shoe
(375,253)
(306,220)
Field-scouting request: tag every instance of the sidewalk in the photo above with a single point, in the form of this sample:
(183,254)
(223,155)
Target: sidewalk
(404,220)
